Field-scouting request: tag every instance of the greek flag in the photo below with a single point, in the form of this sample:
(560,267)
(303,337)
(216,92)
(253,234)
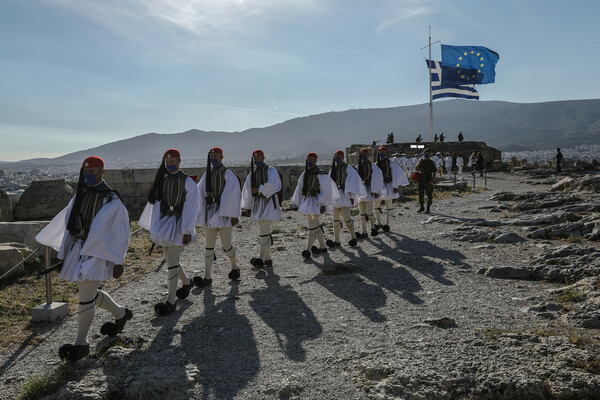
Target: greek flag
(439,90)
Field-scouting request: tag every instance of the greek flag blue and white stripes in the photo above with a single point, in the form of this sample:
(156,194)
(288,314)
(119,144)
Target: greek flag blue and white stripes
(438,90)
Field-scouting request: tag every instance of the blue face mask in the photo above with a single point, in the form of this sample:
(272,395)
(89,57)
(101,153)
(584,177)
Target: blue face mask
(215,162)
(90,179)
(338,161)
(172,168)
(364,158)
(309,164)
(258,163)
(426,155)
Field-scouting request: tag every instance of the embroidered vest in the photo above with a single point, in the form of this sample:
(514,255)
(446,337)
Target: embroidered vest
(92,202)
(339,176)
(173,194)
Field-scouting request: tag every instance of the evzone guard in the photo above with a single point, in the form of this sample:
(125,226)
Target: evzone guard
(314,195)
(220,210)
(372,180)
(91,236)
(170,216)
(350,188)
(259,197)
(393,176)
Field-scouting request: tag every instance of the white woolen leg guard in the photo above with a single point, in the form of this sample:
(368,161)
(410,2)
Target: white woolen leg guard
(347,216)
(225,235)
(209,251)
(320,236)
(362,207)
(369,211)
(337,223)
(173,270)
(265,239)
(88,291)
(388,211)
(313,227)
(377,206)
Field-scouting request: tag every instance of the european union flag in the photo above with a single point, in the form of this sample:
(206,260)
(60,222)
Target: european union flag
(468,64)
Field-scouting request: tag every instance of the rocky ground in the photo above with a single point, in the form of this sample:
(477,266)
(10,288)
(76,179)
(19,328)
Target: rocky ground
(494,295)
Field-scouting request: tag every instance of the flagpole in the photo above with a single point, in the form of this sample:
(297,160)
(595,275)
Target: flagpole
(430,92)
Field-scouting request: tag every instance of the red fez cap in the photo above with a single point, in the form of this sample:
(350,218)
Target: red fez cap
(258,152)
(382,148)
(341,152)
(312,155)
(216,150)
(172,153)
(364,149)
(92,162)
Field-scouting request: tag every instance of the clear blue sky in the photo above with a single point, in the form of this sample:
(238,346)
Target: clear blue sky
(75,74)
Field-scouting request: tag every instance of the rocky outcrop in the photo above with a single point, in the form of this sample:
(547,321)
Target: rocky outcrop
(43,200)
(6,207)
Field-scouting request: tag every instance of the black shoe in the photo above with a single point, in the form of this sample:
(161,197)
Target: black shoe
(112,328)
(256,262)
(421,209)
(202,282)
(184,291)
(330,243)
(378,227)
(373,232)
(314,250)
(165,308)
(268,263)
(428,209)
(352,242)
(323,250)
(234,274)
(386,228)
(73,353)
(306,254)
(361,235)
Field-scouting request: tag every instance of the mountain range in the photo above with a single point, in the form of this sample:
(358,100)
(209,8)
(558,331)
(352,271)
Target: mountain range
(503,125)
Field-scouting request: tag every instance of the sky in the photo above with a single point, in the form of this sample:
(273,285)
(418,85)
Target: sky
(75,74)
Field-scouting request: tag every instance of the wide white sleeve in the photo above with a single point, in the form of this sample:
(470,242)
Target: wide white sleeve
(376,180)
(150,215)
(109,234)
(231,198)
(272,185)
(191,207)
(297,197)
(247,198)
(328,190)
(354,186)
(398,175)
(53,234)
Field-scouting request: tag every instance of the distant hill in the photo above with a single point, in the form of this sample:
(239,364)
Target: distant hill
(506,126)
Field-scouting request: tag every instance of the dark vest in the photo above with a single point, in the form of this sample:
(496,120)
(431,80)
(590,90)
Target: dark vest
(92,202)
(386,169)
(311,186)
(218,185)
(339,175)
(261,176)
(173,195)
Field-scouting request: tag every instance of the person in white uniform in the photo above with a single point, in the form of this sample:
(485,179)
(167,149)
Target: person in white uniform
(393,177)
(91,236)
(260,199)
(170,216)
(350,188)
(220,210)
(314,195)
(372,180)
(460,163)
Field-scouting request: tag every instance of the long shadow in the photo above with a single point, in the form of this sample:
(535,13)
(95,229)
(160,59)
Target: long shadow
(222,345)
(292,321)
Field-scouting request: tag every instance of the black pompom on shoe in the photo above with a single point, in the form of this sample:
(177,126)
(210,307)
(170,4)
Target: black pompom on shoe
(112,328)
(73,353)
(234,274)
(373,232)
(256,262)
(184,291)
(306,254)
(268,263)
(386,228)
(165,308)
(314,250)
(353,242)
(330,243)
(202,282)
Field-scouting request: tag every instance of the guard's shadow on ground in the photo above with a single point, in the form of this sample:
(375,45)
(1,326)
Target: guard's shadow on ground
(280,307)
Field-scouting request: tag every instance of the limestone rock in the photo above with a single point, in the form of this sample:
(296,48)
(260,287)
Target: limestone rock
(42,200)
(6,207)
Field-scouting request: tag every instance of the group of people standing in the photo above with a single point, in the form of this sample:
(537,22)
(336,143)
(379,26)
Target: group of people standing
(91,234)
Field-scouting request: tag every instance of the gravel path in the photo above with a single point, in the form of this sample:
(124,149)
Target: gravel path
(355,323)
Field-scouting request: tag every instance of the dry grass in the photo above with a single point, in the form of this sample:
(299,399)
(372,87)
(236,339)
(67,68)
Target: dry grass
(20,294)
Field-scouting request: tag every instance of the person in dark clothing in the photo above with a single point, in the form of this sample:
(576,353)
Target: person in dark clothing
(418,139)
(435,138)
(460,137)
(427,169)
(559,158)
(480,163)
(442,137)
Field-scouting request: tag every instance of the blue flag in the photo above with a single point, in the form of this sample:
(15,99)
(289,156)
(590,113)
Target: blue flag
(468,64)
(439,89)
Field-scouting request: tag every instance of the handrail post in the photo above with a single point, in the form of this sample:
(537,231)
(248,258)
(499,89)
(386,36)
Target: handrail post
(474,188)
(48,277)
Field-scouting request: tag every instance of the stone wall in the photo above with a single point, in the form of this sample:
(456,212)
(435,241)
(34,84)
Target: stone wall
(42,200)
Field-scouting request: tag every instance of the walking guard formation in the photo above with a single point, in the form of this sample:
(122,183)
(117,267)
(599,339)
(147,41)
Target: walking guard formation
(91,234)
